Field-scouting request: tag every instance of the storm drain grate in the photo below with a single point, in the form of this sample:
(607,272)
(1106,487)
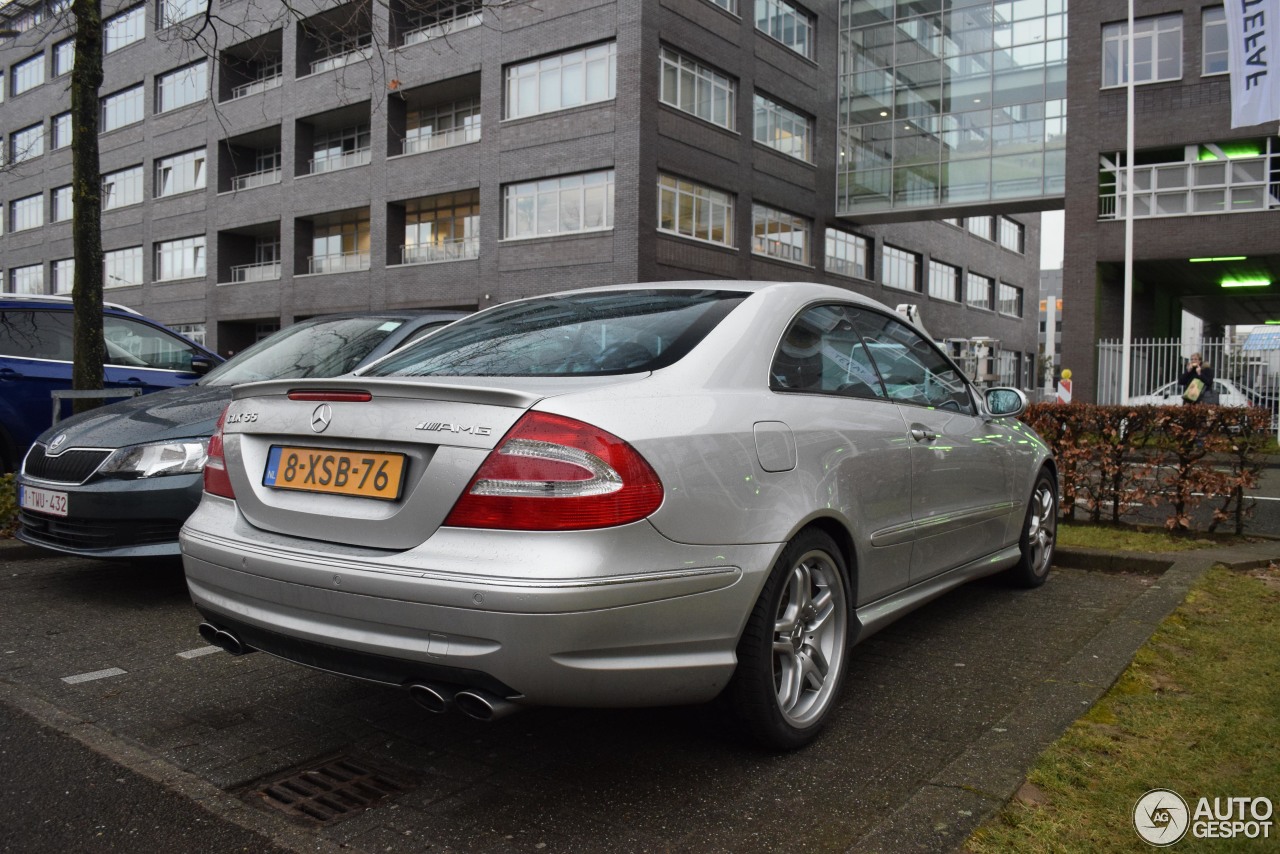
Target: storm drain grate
(339,788)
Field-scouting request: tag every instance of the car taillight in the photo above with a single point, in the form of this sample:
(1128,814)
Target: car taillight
(216,481)
(552,473)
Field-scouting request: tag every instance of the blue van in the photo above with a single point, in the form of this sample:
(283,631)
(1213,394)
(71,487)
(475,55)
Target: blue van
(35,359)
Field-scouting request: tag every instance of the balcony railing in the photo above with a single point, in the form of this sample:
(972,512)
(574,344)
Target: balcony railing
(338,60)
(256,179)
(434,253)
(445,139)
(338,262)
(443,28)
(1237,185)
(334,162)
(256,86)
(264,272)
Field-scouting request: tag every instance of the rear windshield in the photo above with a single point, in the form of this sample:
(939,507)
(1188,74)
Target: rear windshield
(613,332)
(326,348)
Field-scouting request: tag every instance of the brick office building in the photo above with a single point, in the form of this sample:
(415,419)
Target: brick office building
(460,154)
(1206,197)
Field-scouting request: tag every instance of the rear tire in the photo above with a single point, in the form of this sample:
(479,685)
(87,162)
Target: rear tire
(793,653)
(1039,534)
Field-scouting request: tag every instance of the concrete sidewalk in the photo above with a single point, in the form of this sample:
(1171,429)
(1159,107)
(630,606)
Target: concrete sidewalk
(942,715)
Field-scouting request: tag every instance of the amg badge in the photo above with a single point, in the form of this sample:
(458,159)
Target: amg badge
(446,427)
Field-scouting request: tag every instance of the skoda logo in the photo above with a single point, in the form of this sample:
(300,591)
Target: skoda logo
(58,441)
(321,417)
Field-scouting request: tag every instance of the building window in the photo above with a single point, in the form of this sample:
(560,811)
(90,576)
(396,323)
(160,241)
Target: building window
(442,126)
(60,204)
(2,90)
(339,49)
(565,80)
(692,210)
(170,12)
(27,280)
(1010,300)
(122,188)
(944,281)
(64,57)
(787,23)
(1157,51)
(848,254)
(191,331)
(123,29)
(180,173)
(696,89)
(60,131)
(978,291)
(64,275)
(180,259)
(26,213)
(340,149)
(783,129)
(433,20)
(565,205)
(954,221)
(442,228)
(778,234)
(182,87)
(122,108)
(341,244)
(28,74)
(982,226)
(26,144)
(727,5)
(122,267)
(1012,235)
(900,269)
(1213,58)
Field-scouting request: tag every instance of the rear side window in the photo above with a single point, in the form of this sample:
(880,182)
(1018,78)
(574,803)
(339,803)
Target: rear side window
(36,334)
(594,334)
(821,352)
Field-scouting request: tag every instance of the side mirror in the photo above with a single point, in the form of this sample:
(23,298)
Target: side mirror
(1005,402)
(201,365)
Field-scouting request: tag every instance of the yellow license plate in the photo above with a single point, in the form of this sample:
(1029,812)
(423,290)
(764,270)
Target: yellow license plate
(359,473)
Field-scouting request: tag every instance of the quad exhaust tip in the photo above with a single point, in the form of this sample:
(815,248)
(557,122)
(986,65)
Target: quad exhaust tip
(473,702)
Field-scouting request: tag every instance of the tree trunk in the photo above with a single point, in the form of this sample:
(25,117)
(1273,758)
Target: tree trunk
(86,193)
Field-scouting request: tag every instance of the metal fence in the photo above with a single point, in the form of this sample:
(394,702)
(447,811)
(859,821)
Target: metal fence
(1241,377)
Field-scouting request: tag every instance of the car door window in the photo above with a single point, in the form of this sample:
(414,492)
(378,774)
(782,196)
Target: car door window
(821,352)
(36,334)
(134,344)
(914,371)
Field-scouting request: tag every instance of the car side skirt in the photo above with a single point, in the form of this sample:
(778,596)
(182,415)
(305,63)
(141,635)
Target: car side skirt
(877,615)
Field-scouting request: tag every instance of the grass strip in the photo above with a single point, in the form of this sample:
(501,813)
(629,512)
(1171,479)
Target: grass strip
(1119,538)
(1198,712)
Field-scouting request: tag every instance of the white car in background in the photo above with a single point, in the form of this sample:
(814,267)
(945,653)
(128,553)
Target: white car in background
(1170,394)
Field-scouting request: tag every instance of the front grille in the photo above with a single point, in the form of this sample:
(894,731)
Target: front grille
(99,533)
(72,466)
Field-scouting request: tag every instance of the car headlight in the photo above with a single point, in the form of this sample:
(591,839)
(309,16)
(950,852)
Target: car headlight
(185,456)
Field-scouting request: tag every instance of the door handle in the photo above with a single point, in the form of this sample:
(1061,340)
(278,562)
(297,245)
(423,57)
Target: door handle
(9,374)
(922,434)
(132,382)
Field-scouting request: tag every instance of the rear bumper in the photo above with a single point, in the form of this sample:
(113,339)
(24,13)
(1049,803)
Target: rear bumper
(621,617)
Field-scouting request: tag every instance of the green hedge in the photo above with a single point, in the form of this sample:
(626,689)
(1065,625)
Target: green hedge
(1114,460)
(8,504)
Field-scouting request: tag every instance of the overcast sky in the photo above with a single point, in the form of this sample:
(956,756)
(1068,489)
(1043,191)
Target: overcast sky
(1051,240)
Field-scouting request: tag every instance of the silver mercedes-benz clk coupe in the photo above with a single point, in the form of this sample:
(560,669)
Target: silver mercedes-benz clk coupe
(628,496)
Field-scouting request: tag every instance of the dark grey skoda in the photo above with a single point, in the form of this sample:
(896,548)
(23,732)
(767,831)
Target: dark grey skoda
(118,482)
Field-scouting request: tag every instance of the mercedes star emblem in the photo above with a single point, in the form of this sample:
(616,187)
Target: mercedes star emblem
(321,417)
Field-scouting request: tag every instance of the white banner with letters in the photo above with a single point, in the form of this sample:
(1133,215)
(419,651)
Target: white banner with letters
(1253,28)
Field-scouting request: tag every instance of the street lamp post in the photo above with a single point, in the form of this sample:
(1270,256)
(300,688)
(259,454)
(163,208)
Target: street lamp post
(1126,345)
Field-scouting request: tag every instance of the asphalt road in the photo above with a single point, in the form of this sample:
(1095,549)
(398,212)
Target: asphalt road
(941,715)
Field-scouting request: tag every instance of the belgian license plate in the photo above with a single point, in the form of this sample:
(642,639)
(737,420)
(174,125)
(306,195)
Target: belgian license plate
(358,473)
(42,500)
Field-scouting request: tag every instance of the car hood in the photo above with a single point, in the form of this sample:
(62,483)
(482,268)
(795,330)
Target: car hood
(174,413)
